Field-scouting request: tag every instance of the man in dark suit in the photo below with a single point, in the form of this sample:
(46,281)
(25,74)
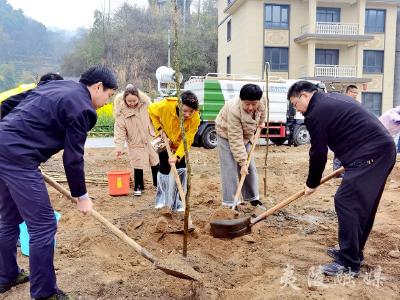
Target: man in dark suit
(54,116)
(368,154)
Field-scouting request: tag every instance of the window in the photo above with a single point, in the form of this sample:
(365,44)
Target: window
(328,14)
(327,57)
(228,64)
(373,61)
(372,102)
(228,30)
(276,16)
(375,20)
(277,57)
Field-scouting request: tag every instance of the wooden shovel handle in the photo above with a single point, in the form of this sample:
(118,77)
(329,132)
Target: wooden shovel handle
(243,177)
(293,197)
(175,172)
(139,249)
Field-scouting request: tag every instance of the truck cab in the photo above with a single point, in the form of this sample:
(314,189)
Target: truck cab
(214,89)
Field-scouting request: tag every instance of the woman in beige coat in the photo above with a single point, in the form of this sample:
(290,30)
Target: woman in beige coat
(133,125)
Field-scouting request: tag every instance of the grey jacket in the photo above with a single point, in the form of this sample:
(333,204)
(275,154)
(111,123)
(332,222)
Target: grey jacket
(238,126)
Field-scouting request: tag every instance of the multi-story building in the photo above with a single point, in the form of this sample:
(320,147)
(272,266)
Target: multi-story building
(339,42)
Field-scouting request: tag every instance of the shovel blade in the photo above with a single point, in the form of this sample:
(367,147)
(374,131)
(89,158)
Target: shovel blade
(230,228)
(177,267)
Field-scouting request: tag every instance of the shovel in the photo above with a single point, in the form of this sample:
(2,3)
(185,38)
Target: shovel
(176,268)
(243,177)
(238,227)
(179,185)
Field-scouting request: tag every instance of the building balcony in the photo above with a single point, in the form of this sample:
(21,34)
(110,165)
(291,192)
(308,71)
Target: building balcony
(338,33)
(334,73)
(333,28)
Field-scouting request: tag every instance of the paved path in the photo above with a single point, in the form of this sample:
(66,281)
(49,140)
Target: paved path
(107,142)
(100,142)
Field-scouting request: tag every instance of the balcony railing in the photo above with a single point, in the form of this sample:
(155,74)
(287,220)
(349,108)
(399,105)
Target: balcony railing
(335,71)
(332,28)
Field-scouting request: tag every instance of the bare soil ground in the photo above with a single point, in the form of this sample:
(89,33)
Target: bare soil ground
(276,261)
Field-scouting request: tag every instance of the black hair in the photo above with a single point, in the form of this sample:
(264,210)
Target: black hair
(351,86)
(51,76)
(131,90)
(190,99)
(301,86)
(251,92)
(99,74)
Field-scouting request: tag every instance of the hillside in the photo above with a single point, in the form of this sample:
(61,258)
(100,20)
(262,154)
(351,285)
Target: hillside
(28,48)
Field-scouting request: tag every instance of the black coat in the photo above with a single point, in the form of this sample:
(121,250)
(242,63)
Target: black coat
(348,129)
(54,116)
(11,102)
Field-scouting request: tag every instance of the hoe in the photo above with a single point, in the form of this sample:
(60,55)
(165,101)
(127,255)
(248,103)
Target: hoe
(238,227)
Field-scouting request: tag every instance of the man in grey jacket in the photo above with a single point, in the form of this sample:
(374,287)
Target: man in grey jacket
(235,124)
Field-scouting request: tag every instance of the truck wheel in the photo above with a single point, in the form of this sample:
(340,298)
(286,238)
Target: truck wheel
(209,138)
(278,140)
(301,136)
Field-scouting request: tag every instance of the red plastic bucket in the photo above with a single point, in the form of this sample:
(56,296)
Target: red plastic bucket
(118,182)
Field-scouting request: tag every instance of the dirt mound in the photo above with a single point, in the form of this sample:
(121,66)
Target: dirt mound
(223,214)
(275,261)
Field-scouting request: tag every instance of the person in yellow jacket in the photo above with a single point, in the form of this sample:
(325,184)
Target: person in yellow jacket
(12,98)
(17,90)
(165,118)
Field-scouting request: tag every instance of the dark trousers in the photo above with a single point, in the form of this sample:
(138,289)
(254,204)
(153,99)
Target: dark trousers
(356,203)
(24,197)
(165,168)
(138,177)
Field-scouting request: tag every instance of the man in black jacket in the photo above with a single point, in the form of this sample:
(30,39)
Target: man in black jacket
(11,102)
(368,154)
(54,116)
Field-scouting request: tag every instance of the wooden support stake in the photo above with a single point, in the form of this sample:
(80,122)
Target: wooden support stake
(267,128)
(182,126)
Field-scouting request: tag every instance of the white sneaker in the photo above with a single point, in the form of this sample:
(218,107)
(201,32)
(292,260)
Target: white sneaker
(137,192)
(229,205)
